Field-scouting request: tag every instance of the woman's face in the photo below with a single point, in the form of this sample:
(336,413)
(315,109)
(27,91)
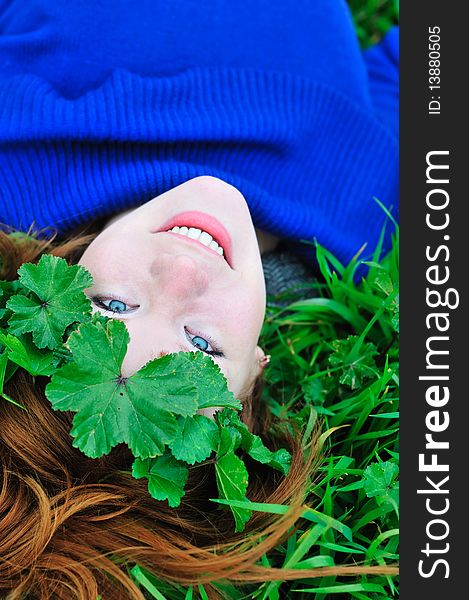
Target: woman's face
(175,292)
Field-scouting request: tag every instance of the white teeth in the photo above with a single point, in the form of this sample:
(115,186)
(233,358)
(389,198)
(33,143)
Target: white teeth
(205,238)
(214,246)
(194,233)
(201,236)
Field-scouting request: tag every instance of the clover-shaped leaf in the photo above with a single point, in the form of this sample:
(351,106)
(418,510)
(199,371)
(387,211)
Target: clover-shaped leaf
(55,300)
(138,410)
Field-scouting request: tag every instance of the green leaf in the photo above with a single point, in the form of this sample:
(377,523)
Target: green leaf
(357,365)
(196,438)
(230,440)
(278,509)
(212,390)
(138,410)
(156,587)
(170,382)
(61,355)
(189,593)
(280,459)
(379,482)
(232,483)
(249,442)
(3,366)
(25,354)
(57,300)
(394,307)
(379,477)
(10,370)
(314,391)
(143,578)
(166,477)
(202,592)
(384,282)
(344,588)
(8,289)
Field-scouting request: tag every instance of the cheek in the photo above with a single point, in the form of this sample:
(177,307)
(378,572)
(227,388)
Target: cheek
(139,350)
(244,318)
(243,300)
(236,377)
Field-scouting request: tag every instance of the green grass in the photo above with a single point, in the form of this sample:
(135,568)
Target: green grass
(373,18)
(337,357)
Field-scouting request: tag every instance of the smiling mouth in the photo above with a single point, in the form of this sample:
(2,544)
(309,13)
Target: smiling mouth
(218,251)
(203,229)
(199,236)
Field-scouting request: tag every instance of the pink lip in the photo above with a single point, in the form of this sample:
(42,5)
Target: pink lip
(206,223)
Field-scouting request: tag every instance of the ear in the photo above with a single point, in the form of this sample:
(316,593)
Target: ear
(257,366)
(259,354)
(262,360)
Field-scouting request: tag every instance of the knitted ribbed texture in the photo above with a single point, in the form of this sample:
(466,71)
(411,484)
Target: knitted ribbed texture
(308,157)
(287,278)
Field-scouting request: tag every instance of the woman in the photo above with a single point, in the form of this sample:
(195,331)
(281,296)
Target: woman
(202,112)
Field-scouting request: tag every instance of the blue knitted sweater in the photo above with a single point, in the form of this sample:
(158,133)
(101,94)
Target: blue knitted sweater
(104,105)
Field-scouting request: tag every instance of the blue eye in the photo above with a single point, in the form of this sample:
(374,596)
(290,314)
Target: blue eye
(202,344)
(114,306)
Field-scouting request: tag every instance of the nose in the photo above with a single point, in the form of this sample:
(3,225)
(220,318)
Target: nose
(179,275)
